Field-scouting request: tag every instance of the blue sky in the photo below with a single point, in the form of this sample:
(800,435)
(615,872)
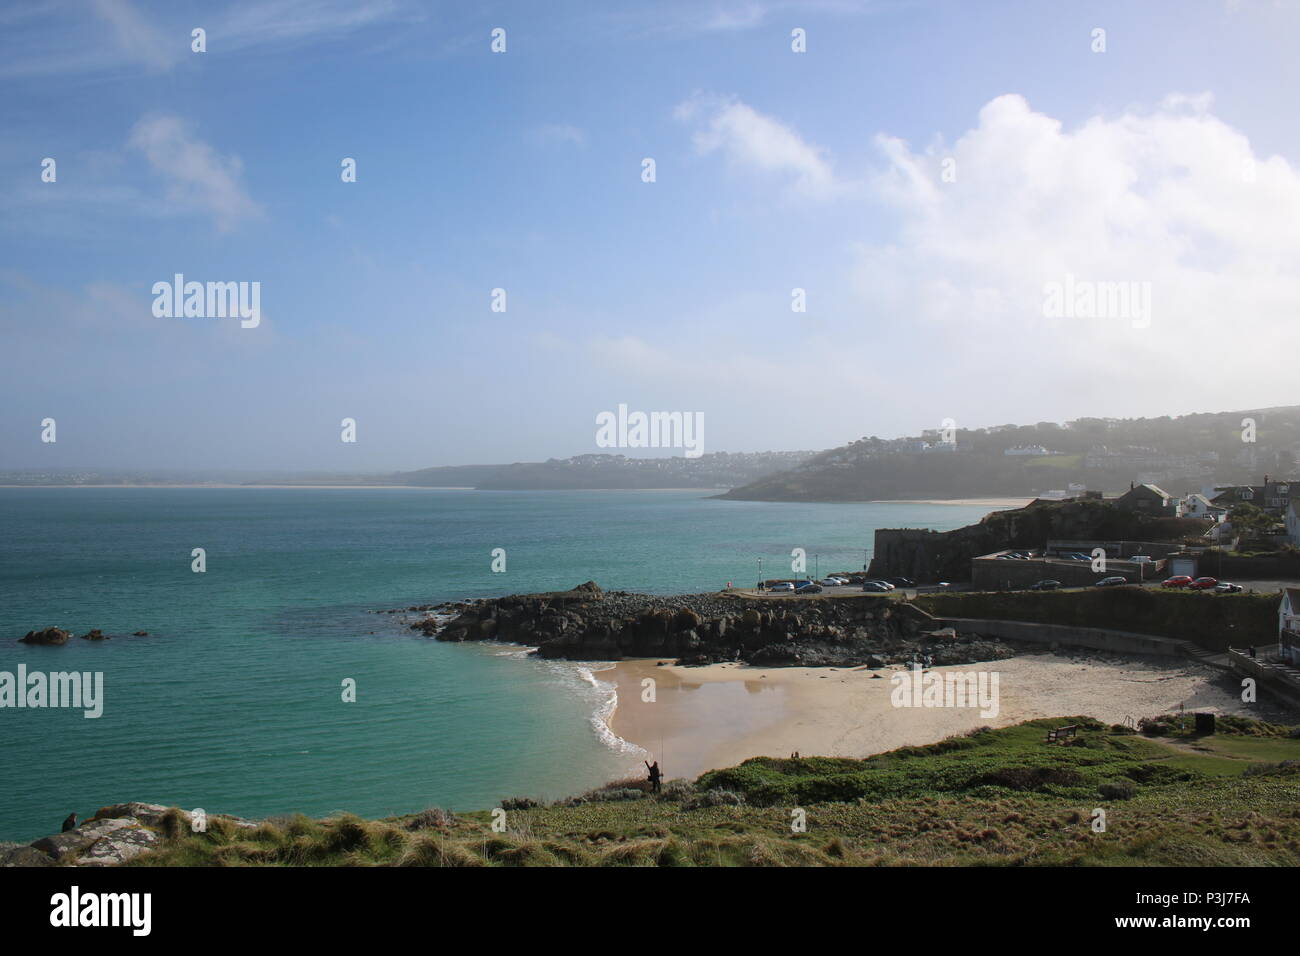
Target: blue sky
(522,170)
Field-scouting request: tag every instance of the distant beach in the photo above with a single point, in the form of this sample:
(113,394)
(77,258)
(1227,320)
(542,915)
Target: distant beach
(719,715)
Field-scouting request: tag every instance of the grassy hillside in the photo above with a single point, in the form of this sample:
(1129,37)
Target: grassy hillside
(1214,621)
(1000,797)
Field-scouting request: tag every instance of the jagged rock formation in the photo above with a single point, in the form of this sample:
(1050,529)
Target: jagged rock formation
(587,623)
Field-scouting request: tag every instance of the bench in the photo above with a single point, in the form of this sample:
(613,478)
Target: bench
(1059,734)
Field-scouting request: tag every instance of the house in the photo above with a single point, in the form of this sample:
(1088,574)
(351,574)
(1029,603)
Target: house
(1199,506)
(1273,495)
(1288,626)
(1147,499)
(1293,522)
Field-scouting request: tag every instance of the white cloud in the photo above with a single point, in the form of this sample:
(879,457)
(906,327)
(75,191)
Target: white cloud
(753,141)
(1173,196)
(197,176)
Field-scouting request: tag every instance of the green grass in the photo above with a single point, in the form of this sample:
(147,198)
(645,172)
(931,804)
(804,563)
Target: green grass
(1001,797)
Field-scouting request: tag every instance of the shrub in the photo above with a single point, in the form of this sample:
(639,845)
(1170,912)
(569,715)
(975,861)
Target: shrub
(434,818)
(717,797)
(1117,789)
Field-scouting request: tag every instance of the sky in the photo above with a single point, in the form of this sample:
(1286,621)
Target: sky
(928,173)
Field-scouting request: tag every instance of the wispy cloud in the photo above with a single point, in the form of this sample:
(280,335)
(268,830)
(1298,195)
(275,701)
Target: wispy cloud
(49,40)
(197,176)
(749,139)
(138,40)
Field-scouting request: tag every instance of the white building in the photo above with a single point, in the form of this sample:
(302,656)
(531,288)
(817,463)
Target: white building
(1199,506)
(1288,626)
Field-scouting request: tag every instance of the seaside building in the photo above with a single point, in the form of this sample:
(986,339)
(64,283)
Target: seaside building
(1288,626)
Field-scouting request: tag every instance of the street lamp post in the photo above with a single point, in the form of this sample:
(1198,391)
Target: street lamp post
(760,574)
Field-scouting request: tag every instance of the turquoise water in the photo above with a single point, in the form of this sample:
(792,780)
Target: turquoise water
(234,703)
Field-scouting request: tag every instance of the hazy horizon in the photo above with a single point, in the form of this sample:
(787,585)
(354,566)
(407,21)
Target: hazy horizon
(923,178)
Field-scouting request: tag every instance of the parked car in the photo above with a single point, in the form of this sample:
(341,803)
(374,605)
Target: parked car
(900,582)
(1177,581)
(1203,584)
(829,582)
(782,586)
(1111,581)
(1047,584)
(880,587)
(808,587)
(1225,587)
(888,586)
(838,579)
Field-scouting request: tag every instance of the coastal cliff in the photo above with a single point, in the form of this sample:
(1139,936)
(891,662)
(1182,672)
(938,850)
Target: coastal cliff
(588,623)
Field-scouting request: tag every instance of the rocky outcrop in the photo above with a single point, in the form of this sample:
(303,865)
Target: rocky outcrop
(588,623)
(94,635)
(115,835)
(48,635)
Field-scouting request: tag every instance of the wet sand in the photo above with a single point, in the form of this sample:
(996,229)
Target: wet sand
(717,716)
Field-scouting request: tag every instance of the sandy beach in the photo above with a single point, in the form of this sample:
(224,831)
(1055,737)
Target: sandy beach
(717,716)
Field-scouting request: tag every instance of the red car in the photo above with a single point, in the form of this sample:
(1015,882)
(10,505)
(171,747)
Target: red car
(1177,581)
(1203,584)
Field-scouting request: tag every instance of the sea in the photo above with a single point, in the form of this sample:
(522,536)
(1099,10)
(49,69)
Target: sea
(236,703)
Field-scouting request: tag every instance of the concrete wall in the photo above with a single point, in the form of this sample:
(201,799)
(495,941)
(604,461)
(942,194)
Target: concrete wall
(1097,638)
(1270,681)
(991,574)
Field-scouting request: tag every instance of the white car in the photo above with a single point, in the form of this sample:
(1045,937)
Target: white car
(783,586)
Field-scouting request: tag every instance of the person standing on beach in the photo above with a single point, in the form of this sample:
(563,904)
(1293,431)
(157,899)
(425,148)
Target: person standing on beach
(654,775)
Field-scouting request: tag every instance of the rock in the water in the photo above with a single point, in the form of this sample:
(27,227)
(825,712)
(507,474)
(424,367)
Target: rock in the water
(48,635)
(94,635)
(140,634)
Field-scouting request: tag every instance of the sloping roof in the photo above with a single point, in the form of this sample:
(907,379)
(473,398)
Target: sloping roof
(1293,595)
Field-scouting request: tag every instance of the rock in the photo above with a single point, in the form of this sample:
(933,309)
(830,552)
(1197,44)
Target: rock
(48,635)
(94,635)
(118,847)
(150,814)
(63,845)
(140,634)
(19,854)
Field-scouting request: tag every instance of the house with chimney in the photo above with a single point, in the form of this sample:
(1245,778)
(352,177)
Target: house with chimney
(1148,499)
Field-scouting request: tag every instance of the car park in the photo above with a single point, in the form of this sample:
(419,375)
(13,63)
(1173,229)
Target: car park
(1177,581)
(1203,584)
(1111,581)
